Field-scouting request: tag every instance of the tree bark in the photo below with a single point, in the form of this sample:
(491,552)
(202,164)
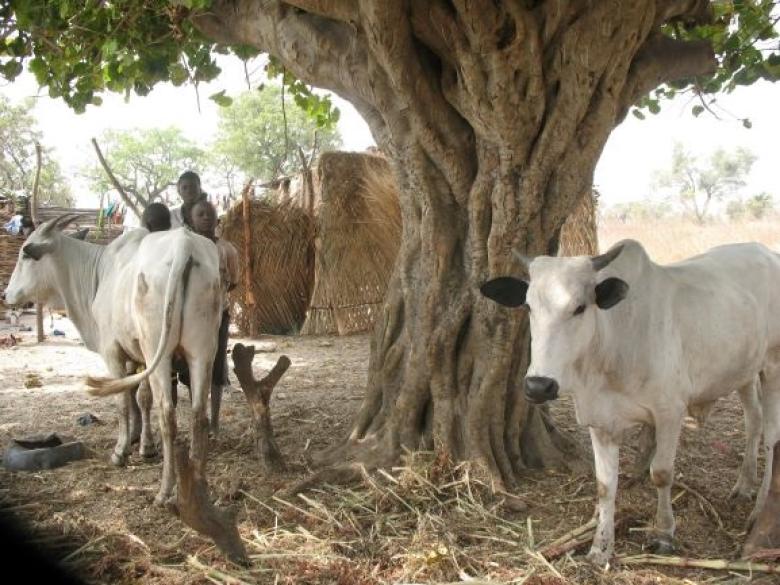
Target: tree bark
(493,115)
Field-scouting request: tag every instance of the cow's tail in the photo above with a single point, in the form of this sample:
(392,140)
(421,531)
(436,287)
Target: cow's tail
(180,268)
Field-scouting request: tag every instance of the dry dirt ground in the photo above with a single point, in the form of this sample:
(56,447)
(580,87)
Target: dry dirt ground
(407,526)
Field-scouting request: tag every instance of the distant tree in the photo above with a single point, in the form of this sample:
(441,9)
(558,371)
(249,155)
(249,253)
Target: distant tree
(759,205)
(695,185)
(145,162)
(252,134)
(18,134)
(643,210)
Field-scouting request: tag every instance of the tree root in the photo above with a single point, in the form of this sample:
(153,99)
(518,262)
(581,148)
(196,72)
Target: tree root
(345,474)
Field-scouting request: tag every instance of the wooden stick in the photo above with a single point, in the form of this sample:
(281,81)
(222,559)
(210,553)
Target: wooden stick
(246,208)
(129,202)
(712,564)
(36,183)
(34,215)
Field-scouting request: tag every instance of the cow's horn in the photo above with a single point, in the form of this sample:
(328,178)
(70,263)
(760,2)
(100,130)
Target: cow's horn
(59,223)
(525,261)
(603,260)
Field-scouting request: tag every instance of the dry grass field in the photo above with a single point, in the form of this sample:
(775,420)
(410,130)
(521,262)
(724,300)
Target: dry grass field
(672,239)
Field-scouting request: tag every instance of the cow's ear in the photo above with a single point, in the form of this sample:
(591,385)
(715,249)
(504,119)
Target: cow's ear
(80,235)
(505,290)
(35,251)
(610,292)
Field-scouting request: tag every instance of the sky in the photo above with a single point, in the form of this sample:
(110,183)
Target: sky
(636,149)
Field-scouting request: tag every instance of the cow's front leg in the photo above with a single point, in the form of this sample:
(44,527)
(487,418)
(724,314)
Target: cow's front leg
(667,433)
(605,452)
(144,398)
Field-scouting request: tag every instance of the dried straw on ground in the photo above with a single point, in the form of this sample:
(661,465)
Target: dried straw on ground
(282,263)
(358,235)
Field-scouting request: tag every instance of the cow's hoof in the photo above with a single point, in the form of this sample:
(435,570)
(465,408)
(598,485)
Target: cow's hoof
(597,557)
(164,500)
(118,460)
(148,453)
(662,544)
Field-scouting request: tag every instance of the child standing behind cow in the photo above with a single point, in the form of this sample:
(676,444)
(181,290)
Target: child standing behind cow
(203,216)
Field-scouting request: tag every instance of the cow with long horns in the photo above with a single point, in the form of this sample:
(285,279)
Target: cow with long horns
(634,342)
(136,301)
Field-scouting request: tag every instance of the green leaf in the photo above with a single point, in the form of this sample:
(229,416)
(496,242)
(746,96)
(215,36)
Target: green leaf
(697,110)
(638,114)
(747,123)
(221,99)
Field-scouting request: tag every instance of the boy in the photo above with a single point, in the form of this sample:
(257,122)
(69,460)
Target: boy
(156,217)
(203,217)
(188,187)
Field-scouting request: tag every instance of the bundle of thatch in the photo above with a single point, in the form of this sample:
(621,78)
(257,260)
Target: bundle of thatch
(282,264)
(357,239)
(579,236)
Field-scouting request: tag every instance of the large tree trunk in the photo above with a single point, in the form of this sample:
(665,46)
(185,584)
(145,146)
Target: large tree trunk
(494,115)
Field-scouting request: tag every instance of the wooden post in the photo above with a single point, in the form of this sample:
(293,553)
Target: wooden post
(34,216)
(258,395)
(248,263)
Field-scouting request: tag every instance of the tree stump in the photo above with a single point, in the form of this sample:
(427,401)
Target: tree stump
(194,508)
(765,533)
(258,395)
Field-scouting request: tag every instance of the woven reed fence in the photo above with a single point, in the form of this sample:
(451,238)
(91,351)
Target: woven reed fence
(282,266)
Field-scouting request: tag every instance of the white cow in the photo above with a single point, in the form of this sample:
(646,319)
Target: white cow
(137,300)
(635,342)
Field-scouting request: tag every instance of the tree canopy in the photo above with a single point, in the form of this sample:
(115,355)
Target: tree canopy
(18,163)
(78,50)
(262,136)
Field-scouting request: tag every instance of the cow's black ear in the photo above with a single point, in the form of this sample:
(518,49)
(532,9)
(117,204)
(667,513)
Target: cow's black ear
(610,292)
(80,235)
(505,290)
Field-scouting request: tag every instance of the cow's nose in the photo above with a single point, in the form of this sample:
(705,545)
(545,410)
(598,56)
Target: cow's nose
(540,389)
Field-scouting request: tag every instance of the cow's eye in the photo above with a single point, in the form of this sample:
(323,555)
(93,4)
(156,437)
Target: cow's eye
(579,310)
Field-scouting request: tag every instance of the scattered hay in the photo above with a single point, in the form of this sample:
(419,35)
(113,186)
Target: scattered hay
(282,264)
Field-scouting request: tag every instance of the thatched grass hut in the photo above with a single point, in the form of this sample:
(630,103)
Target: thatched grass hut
(282,266)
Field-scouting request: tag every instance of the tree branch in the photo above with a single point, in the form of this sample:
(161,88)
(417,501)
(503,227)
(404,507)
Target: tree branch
(342,10)
(661,60)
(114,181)
(689,11)
(36,184)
